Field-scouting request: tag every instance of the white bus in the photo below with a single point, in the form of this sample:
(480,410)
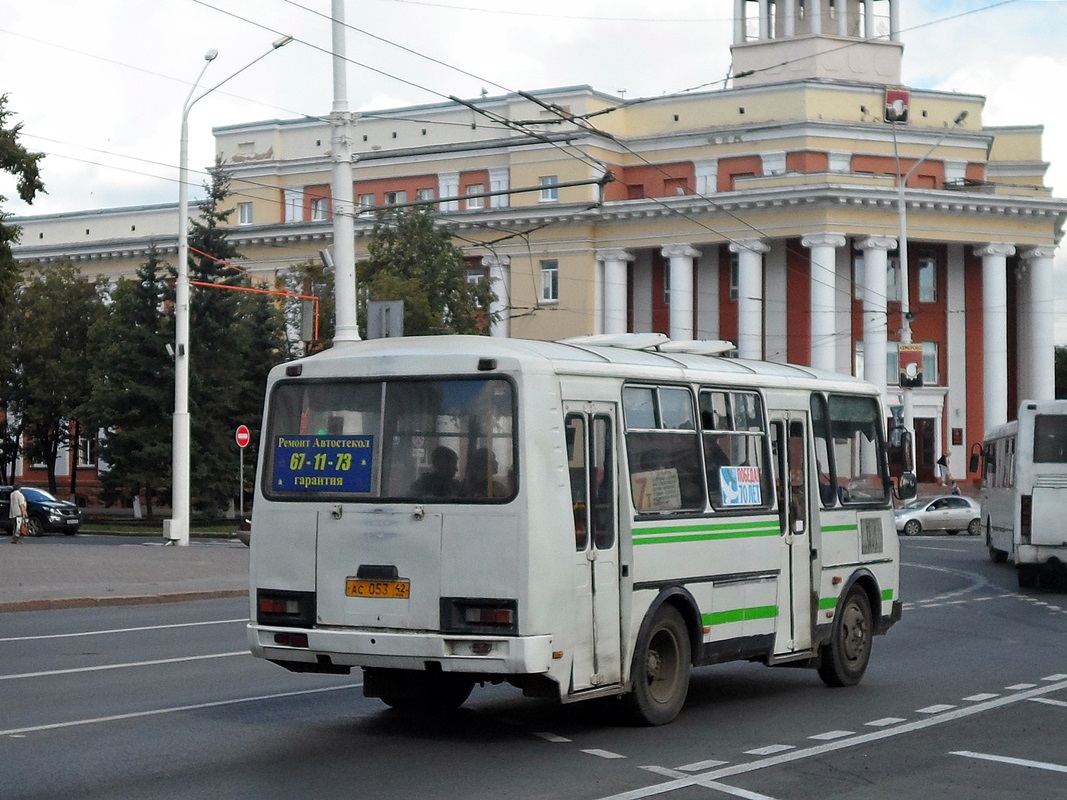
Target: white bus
(1024,492)
(579,519)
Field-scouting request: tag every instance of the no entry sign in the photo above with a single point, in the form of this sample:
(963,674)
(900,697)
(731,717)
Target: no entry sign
(242,436)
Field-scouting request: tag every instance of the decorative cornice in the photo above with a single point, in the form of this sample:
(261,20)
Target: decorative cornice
(1000,249)
(823,240)
(1037,253)
(749,246)
(614,254)
(877,243)
(679,251)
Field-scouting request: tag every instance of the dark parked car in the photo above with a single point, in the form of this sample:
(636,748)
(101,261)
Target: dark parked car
(47,514)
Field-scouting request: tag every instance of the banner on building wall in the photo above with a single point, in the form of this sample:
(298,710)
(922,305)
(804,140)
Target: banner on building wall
(897,104)
(911,364)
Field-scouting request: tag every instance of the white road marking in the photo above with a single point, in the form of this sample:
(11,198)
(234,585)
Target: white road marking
(243,620)
(733,790)
(978,698)
(770,750)
(173,710)
(1016,687)
(831,747)
(699,766)
(103,667)
(603,753)
(829,736)
(1054,678)
(1050,702)
(1019,762)
(552,737)
(885,722)
(934,709)
(664,771)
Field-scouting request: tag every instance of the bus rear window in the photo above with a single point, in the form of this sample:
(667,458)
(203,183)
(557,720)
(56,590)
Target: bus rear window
(1050,439)
(411,440)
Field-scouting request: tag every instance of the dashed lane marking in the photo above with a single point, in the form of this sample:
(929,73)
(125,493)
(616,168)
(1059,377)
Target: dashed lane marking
(603,753)
(770,750)
(885,722)
(830,736)
(938,708)
(978,698)
(553,737)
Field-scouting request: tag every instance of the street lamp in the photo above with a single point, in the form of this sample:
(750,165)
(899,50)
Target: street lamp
(176,529)
(895,113)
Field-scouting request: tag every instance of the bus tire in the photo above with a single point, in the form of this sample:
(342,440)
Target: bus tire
(661,667)
(1028,576)
(844,659)
(997,556)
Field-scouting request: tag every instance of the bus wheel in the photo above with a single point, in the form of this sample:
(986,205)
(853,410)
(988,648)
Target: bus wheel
(997,556)
(845,658)
(1028,576)
(662,663)
(418,692)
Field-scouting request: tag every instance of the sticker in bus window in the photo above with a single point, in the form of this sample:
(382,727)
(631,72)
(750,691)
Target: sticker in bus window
(656,490)
(323,463)
(740,486)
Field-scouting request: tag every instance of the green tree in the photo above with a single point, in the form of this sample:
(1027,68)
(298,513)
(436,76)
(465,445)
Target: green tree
(55,311)
(23,165)
(20,162)
(235,338)
(132,393)
(313,279)
(413,259)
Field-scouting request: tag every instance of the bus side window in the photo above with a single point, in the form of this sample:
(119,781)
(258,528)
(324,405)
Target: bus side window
(577,450)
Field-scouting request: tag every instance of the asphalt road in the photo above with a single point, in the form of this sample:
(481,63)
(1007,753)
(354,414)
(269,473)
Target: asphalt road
(965,698)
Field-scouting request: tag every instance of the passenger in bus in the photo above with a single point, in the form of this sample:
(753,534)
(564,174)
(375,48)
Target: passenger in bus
(441,482)
(480,471)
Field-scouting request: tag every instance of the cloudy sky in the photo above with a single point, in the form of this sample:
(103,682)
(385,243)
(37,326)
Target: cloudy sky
(99,86)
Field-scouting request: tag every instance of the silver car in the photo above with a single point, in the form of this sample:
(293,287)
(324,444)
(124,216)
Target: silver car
(950,512)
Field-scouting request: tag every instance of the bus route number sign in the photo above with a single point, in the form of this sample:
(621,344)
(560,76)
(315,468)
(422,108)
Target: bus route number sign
(323,463)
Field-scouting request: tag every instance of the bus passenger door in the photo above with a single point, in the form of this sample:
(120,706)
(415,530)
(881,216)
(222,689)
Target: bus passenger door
(789,440)
(592,462)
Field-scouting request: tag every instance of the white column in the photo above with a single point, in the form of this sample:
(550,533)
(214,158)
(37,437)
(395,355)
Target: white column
(841,7)
(681,309)
(875,316)
(816,16)
(499,309)
(764,20)
(776,302)
(739,21)
(749,296)
(995,332)
(894,20)
(1042,353)
(823,248)
(790,18)
(707,301)
(868,19)
(615,261)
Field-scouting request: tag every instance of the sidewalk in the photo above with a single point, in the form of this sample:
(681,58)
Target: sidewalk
(51,572)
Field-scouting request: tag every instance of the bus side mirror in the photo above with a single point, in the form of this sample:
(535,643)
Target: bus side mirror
(907,486)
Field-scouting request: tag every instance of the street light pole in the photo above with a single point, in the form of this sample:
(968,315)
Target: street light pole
(902,250)
(176,529)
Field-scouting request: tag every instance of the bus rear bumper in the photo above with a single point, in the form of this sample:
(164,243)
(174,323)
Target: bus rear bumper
(487,655)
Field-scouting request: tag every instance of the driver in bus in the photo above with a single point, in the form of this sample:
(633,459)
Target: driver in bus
(480,471)
(441,482)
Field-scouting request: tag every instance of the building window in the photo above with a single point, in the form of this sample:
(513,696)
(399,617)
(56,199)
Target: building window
(366,204)
(294,205)
(667,284)
(927,279)
(892,278)
(244,213)
(424,195)
(475,276)
(318,209)
(549,189)
(892,365)
(475,202)
(635,191)
(735,268)
(396,198)
(87,451)
(550,281)
(675,186)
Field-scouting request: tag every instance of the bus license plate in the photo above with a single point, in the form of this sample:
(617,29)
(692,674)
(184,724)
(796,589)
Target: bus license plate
(392,589)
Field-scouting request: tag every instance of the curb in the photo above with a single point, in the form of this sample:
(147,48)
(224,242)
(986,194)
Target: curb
(123,600)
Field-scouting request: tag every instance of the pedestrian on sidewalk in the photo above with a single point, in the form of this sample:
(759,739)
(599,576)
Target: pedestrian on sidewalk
(17,512)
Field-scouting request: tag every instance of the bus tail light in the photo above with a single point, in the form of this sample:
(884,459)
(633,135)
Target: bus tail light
(478,615)
(1026,517)
(278,607)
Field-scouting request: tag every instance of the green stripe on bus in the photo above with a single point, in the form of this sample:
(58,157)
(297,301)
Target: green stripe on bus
(887,594)
(827,603)
(739,615)
(839,528)
(671,537)
(705,532)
